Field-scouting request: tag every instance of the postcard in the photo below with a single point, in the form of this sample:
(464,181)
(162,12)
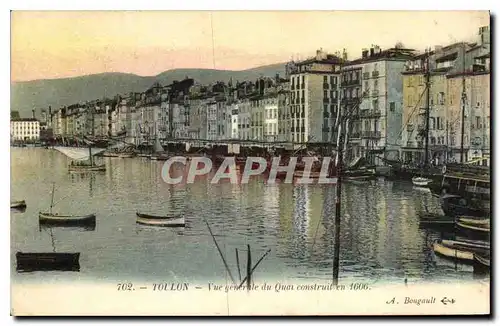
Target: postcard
(228,163)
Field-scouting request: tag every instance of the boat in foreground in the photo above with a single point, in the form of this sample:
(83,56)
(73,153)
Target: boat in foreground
(66,220)
(47,261)
(18,204)
(169,222)
(483,260)
(157,217)
(452,251)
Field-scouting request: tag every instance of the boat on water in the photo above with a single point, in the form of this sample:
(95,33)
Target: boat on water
(481,228)
(483,222)
(451,251)
(436,220)
(55,219)
(361,179)
(156,217)
(47,261)
(126,155)
(67,220)
(483,260)
(169,222)
(160,157)
(18,204)
(455,205)
(420,181)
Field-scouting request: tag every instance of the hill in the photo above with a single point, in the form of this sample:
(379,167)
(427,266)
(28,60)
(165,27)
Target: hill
(43,93)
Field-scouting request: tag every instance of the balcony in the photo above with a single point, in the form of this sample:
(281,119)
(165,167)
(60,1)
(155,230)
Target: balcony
(375,74)
(371,134)
(370,114)
(354,82)
(366,75)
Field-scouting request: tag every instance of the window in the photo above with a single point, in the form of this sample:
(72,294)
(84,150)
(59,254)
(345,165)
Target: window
(331,94)
(366,85)
(325,94)
(375,104)
(332,80)
(375,67)
(392,106)
(375,84)
(325,79)
(478,122)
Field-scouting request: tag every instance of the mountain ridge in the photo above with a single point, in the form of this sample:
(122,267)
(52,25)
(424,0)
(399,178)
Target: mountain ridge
(42,93)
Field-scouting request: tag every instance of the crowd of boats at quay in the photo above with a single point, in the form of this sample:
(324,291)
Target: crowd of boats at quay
(462,189)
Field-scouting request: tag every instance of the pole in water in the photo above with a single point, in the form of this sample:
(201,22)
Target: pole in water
(249,268)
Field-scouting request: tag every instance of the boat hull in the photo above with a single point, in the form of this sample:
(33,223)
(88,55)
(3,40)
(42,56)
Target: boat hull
(85,168)
(47,261)
(175,222)
(62,220)
(20,204)
(454,253)
(157,217)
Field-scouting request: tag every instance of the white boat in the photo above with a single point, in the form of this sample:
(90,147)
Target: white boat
(170,222)
(421,182)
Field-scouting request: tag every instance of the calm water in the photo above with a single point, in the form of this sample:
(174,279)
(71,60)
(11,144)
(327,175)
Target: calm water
(380,237)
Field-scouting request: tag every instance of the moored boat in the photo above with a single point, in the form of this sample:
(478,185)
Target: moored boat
(483,260)
(170,222)
(482,222)
(474,227)
(86,168)
(421,182)
(68,220)
(126,155)
(451,251)
(47,261)
(155,217)
(18,204)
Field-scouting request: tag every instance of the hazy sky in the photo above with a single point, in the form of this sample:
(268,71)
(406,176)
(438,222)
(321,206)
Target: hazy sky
(64,44)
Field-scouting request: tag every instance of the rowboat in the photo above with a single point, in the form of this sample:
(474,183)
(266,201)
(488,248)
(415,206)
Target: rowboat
(420,182)
(170,222)
(452,252)
(156,217)
(483,222)
(18,204)
(87,168)
(482,260)
(67,220)
(361,179)
(472,227)
(47,261)
(467,245)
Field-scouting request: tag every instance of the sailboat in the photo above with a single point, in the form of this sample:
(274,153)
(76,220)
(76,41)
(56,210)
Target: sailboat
(159,155)
(54,219)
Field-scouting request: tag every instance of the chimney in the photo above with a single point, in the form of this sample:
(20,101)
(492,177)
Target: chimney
(372,52)
(33,113)
(344,54)
(364,53)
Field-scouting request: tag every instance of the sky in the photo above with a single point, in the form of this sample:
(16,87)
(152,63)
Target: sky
(58,44)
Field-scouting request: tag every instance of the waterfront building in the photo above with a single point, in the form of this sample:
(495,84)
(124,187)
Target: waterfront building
(455,70)
(211,105)
(284,123)
(270,103)
(24,129)
(372,91)
(314,89)
(244,119)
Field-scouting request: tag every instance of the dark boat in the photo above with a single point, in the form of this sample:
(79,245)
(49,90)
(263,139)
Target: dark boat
(47,261)
(66,220)
(436,220)
(18,204)
(156,217)
(455,205)
(483,260)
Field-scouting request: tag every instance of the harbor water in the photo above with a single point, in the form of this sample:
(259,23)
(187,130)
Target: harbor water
(381,241)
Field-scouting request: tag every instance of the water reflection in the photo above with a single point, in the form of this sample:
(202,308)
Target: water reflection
(380,235)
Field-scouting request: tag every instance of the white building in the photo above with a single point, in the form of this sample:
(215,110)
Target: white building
(244,119)
(25,129)
(234,121)
(314,92)
(372,97)
(271,118)
(212,120)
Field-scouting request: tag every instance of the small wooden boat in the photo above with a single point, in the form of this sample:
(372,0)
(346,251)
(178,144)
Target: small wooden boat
(484,222)
(474,227)
(67,220)
(452,252)
(18,204)
(361,179)
(468,245)
(483,260)
(156,217)
(173,222)
(47,261)
(420,182)
(87,168)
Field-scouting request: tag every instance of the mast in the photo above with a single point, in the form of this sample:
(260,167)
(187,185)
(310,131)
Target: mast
(52,199)
(464,96)
(427,108)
